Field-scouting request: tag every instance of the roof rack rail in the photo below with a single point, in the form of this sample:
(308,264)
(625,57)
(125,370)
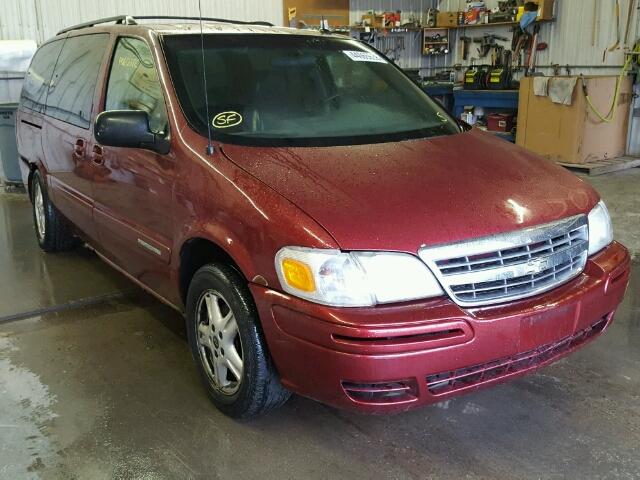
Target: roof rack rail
(119,19)
(130,20)
(205,19)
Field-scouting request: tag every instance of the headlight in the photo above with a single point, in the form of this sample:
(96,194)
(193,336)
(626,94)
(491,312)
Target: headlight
(355,279)
(600,228)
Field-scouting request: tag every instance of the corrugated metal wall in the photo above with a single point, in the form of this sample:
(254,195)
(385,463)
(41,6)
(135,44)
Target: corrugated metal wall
(41,19)
(570,37)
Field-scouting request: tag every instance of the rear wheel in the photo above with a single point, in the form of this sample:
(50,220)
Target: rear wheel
(227,344)
(52,232)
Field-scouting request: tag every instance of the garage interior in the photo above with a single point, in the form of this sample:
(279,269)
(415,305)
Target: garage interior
(97,380)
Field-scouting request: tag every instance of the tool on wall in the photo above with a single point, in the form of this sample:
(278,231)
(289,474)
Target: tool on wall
(629,15)
(466,43)
(533,49)
(391,45)
(487,42)
(616,45)
(504,62)
(518,44)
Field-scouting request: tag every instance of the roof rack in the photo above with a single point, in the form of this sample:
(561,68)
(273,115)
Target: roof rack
(205,19)
(130,20)
(119,19)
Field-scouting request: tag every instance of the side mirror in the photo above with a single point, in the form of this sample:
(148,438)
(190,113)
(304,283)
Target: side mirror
(128,128)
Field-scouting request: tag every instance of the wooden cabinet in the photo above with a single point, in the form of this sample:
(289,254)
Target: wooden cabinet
(435,41)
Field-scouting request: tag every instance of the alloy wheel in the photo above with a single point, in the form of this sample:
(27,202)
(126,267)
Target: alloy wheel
(38,203)
(219,342)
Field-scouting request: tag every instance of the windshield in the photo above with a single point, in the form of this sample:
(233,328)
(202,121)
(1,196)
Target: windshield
(298,90)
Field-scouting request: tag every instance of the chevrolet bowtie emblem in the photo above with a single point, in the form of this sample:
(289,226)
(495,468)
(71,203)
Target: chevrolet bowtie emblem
(537,266)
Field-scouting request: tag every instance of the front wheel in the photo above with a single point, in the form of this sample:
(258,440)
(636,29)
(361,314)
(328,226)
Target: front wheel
(228,346)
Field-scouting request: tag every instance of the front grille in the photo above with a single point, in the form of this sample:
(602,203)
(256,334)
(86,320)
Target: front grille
(511,266)
(451,381)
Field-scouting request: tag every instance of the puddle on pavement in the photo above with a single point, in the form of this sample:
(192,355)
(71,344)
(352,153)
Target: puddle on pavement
(26,410)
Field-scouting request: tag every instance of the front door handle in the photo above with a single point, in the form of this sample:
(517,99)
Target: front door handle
(97,155)
(78,149)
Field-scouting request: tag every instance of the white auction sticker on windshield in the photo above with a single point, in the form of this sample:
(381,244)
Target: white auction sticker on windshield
(360,56)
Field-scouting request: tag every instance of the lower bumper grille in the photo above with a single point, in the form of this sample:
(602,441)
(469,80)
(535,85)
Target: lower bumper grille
(451,381)
(401,391)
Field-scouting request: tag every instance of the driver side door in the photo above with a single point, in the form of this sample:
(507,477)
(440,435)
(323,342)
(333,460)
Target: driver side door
(133,187)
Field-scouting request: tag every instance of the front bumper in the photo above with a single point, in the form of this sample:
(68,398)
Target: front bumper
(393,358)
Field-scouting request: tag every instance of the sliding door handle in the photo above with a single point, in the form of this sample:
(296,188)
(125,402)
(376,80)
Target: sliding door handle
(97,155)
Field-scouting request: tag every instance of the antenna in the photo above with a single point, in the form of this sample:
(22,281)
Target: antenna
(210,149)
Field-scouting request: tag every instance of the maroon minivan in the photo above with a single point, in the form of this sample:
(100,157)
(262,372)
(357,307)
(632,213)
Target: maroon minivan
(341,236)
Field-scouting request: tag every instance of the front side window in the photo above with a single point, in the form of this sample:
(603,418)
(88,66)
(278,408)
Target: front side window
(72,88)
(298,90)
(36,81)
(134,83)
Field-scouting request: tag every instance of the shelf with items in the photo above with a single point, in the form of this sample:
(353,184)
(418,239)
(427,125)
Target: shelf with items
(495,110)
(478,15)
(383,29)
(406,29)
(496,24)
(435,41)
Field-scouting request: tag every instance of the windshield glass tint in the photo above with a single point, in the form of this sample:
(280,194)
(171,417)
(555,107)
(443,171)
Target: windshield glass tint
(298,90)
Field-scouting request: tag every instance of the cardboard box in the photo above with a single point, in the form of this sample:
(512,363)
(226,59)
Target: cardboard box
(335,12)
(373,21)
(573,133)
(447,19)
(545,9)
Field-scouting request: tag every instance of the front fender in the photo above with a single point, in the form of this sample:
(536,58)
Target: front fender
(217,201)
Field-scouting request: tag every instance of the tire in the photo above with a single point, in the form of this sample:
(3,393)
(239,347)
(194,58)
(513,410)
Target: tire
(52,231)
(243,389)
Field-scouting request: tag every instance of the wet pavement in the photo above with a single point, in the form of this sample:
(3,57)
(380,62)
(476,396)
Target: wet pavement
(96,381)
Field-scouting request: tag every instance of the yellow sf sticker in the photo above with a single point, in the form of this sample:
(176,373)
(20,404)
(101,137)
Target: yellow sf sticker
(227,119)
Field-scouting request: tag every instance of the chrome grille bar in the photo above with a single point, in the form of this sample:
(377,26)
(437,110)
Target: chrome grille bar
(510,266)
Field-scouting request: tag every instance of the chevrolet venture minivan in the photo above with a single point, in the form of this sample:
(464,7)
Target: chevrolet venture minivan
(341,236)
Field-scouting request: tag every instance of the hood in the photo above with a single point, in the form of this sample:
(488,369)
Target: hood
(401,196)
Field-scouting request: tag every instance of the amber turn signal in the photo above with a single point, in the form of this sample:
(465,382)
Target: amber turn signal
(298,275)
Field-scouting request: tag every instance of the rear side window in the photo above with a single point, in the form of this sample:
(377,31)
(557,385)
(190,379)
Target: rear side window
(36,81)
(134,83)
(74,81)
